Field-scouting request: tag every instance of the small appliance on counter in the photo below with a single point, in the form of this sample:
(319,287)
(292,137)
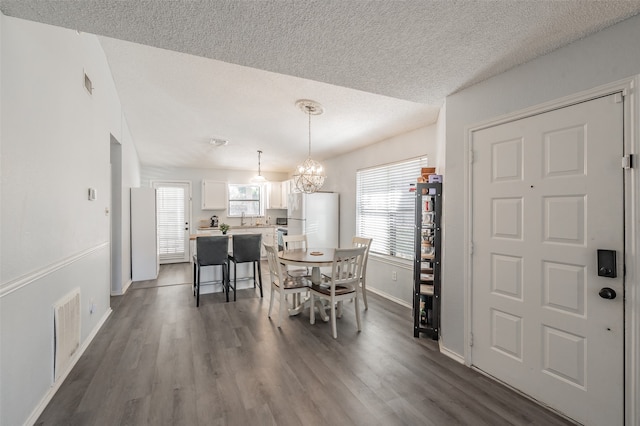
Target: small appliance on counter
(282,221)
(214,221)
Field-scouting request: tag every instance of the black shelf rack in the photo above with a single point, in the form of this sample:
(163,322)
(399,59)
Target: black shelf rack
(427,260)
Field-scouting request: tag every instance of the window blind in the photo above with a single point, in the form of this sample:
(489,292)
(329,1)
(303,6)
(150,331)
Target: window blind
(385,206)
(171,223)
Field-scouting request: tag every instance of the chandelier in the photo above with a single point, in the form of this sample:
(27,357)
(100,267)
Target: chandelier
(310,175)
(259,178)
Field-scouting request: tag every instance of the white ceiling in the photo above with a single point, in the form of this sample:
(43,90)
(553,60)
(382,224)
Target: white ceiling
(234,69)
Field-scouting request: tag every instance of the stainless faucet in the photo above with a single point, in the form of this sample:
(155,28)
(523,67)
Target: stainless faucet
(242,219)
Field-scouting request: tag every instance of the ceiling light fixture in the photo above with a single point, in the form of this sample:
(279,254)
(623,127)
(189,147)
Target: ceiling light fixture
(259,178)
(218,142)
(310,175)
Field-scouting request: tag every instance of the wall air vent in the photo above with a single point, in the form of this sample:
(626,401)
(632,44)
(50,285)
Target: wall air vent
(66,331)
(87,84)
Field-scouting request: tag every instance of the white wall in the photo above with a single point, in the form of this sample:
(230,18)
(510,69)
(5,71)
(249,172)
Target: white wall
(195,176)
(55,145)
(602,58)
(341,172)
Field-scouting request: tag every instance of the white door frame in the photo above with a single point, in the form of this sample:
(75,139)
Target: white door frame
(630,87)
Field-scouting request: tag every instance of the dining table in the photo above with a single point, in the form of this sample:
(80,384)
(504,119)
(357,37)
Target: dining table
(314,258)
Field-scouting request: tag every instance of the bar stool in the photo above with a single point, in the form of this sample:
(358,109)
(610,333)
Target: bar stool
(246,248)
(211,251)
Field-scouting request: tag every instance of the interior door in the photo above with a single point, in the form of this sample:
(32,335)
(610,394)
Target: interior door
(547,194)
(173,212)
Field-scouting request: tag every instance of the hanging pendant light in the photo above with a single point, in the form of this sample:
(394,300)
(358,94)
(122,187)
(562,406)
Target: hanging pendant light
(310,175)
(259,178)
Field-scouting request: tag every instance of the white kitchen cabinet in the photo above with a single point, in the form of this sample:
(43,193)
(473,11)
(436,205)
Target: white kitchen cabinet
(278,194)
(145,259)
(286,190)
(275,196)
(214,195)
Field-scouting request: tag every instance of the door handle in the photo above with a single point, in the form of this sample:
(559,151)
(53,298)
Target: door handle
(607,293)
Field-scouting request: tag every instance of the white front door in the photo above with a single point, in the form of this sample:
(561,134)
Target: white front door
(547,194)
(173,212)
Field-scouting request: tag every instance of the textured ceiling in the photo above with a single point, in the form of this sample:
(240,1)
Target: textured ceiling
(379,67)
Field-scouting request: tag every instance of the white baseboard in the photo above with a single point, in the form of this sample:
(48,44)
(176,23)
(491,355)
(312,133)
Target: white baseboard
(33,417)
(389,297)
(454,356)
(443,350)
(126,286)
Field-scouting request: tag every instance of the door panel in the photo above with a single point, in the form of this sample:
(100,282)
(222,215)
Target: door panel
(547,193)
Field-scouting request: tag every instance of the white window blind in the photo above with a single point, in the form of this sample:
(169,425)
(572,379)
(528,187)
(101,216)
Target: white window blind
(385,206)
(170,201)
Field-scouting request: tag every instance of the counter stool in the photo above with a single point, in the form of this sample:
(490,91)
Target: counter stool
(211,251)
(246,248)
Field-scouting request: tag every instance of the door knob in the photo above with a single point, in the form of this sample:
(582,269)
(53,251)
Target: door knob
(607,293)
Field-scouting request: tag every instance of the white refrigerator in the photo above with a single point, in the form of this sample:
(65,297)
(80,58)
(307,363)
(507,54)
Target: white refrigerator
(317,216)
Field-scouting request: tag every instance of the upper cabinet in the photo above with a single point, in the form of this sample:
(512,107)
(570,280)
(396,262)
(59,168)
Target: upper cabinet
(275,196)
(286,190)
(214,195)
(278,194)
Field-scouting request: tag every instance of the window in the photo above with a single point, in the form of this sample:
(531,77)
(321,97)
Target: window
(247,199)
(385,206)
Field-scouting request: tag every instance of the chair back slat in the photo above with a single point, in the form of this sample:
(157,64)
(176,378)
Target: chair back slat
(274,265)
(347,267)
(246,247)
(363,242)
(212,250)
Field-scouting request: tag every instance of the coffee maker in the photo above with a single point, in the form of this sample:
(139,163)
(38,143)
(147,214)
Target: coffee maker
(214,221)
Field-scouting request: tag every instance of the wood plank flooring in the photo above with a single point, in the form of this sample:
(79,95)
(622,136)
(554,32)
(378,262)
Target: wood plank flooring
(159,360)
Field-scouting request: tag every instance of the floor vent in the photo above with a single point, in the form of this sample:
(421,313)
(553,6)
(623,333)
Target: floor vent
(66,337)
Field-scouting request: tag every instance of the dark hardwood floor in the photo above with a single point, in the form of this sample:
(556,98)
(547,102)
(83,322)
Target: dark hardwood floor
(159,360)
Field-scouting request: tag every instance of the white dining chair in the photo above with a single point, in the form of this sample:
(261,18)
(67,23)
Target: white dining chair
(342,284)
(363,242)
(282,283)
(293,242)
